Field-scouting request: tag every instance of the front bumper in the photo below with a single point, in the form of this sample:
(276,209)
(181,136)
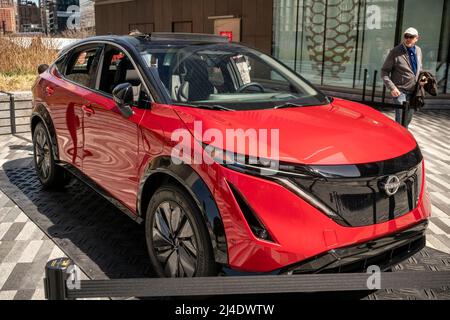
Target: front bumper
(384,253)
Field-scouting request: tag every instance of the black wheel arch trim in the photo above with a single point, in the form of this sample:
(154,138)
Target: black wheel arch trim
(40,112)
(191,181)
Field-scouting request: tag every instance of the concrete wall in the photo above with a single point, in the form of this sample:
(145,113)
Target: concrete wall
(23,112)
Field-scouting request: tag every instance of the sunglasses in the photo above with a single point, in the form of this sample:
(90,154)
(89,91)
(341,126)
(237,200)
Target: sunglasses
(409,36)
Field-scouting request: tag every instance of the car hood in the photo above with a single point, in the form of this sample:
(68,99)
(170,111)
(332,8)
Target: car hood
(342,132)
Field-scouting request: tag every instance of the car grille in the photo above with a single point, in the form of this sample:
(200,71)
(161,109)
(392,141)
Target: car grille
(357,193)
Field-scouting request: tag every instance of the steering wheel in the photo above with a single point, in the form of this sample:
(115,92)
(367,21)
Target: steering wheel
(250,84)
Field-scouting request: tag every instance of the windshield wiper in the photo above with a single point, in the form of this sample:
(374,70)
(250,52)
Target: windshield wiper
(213,107)
(207,106)
(293,105)
(288,105)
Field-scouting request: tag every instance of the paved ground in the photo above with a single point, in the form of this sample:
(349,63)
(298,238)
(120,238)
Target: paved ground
(432,133)
(24,248)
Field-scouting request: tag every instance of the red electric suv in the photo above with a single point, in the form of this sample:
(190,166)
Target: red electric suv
(348,190)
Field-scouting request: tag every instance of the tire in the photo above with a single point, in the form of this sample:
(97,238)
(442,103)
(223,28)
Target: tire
(177,239)
(50,174)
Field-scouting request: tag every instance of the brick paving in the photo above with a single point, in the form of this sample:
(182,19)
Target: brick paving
(24,248)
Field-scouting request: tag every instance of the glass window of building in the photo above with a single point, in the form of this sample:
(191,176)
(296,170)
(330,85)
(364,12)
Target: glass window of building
(335,43)
(285,30)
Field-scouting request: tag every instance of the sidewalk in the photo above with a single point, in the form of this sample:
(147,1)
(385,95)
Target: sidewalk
(24,248)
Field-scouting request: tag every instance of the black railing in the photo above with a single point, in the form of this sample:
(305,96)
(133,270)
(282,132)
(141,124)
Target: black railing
(374,84)
(12,110)
(61,284)
(374,90)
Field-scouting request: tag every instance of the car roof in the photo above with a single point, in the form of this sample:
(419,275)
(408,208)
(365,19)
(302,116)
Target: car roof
(155,37)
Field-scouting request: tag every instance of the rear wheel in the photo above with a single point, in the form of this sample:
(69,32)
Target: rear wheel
(48,172)
(177,239)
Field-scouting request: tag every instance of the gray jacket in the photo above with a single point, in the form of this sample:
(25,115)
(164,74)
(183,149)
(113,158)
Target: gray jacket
(397,70)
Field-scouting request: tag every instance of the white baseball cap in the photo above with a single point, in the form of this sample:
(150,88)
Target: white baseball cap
(412,31)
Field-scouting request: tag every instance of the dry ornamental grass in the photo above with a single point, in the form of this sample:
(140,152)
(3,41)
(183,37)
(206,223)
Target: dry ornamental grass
(19,59)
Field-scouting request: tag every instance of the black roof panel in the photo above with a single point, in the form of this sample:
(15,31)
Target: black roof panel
(157,37)
(190,37)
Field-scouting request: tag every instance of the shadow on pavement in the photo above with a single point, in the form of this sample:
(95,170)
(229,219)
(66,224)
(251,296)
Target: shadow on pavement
(100,239)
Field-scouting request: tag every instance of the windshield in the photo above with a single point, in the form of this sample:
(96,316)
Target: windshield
(228,76)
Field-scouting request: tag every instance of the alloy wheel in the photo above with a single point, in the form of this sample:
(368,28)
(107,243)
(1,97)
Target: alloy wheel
(174,241)
(42,152)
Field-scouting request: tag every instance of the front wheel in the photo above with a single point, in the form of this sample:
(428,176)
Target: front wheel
(177,238)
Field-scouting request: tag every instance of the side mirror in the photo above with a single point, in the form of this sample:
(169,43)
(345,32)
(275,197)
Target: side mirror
(123,97)
(42,68)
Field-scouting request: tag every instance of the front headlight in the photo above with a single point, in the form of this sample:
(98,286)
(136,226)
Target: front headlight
(259,166)
(281,173)
(243,163)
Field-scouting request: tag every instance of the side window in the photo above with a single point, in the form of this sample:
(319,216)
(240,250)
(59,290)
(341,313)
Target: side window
(82,66)
(117,68)
(59,64)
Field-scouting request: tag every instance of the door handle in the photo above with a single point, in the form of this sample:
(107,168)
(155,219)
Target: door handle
(49,90)
(88,110)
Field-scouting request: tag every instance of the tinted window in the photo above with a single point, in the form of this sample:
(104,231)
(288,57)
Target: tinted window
(82,66)
(59,64)
(117,68)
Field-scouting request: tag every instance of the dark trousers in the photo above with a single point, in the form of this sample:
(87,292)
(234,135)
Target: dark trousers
(398,112)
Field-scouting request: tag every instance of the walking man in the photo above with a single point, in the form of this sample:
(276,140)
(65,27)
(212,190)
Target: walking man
(400,72)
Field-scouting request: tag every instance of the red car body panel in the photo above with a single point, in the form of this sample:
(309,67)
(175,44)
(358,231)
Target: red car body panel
(111,145)
(64,106)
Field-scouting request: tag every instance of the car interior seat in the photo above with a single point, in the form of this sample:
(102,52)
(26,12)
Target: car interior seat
(132,77)
(84,77)
(196,85)
(127,73)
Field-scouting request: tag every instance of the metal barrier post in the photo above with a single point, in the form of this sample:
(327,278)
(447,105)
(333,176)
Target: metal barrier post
(374,85)
(12,113)
(56,275)
(364,85)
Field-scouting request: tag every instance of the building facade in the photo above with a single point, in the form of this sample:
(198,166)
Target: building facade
(61,15)
(7,17)
(29,16)
(67,14)
(336,44)
(87,15)
(46,15)
(199,16)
